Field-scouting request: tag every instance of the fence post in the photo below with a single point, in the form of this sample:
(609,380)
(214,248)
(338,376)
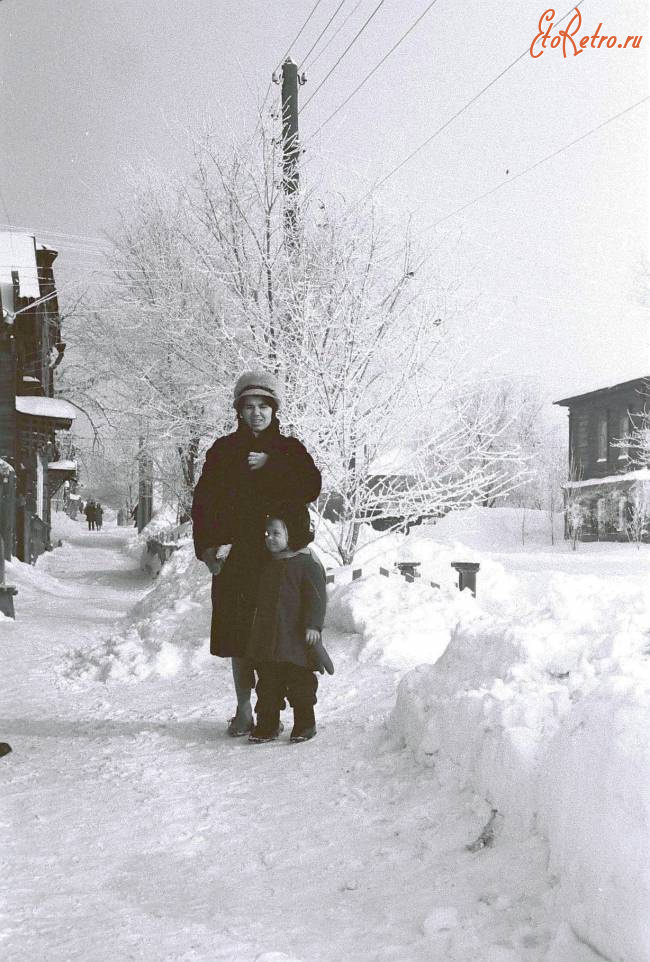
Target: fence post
(7,592)
(466,574)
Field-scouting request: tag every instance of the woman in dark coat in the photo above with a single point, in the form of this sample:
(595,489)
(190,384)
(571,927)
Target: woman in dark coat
(245,475)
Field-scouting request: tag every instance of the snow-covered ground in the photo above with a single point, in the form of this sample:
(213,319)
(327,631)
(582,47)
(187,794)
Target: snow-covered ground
(139,830)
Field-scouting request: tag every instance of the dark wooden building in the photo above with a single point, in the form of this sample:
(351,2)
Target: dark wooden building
(605,481)
(30,414)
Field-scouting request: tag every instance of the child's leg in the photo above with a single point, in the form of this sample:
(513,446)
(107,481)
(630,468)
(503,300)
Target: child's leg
(302,685)
(271,688)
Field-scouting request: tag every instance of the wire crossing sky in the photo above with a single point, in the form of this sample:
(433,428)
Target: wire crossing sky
(420,98)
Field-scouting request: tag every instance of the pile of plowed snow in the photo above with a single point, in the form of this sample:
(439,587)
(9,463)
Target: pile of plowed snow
(544,712)
(165,633)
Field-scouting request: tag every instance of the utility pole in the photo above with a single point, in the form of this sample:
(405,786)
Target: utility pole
(7,455)
(290,145)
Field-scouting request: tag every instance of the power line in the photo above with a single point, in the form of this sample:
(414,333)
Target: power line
(295,39)
(462,110)
(374,69)
(334,36)
(349,46)
(538,163)
(299,34)
(38,232)
(316,41)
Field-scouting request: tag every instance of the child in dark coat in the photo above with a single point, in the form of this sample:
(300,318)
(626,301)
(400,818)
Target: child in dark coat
(286,634)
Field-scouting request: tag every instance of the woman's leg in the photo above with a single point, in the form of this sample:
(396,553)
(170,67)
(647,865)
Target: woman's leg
(244,678)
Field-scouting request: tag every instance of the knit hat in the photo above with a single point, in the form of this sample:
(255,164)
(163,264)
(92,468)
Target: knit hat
(295,518)
(259,383)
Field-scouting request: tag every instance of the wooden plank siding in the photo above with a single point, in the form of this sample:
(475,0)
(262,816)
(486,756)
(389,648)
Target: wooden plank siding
(7,401)
(614,405)
(598,421)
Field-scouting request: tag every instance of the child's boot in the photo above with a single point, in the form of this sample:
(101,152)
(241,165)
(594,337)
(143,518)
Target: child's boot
(304,723)
(267,729)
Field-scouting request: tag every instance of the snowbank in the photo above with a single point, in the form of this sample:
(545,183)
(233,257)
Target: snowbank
(496,529)
(544,713)
(32,581)
(535,695)
(64,528)
(166,632)
(401,624)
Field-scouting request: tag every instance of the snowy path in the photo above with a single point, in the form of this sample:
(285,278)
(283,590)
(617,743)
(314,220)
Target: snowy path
(141,831)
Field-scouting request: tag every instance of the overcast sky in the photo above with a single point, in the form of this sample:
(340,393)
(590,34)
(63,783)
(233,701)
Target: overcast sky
(553,258)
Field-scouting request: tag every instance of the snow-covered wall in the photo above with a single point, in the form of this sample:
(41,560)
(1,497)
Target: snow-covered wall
(546,714)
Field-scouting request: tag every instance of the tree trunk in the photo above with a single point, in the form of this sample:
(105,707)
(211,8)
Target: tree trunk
(188,458)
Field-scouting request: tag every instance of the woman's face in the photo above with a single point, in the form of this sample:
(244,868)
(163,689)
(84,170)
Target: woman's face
(256,412)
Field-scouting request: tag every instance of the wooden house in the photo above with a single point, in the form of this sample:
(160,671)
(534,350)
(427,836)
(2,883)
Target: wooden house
(605,481)
(33,350)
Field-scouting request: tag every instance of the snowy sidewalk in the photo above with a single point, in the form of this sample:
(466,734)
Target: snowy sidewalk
(141,831)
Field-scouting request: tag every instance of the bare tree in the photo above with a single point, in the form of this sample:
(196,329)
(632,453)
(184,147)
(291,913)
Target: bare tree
(206,282)
(575,514)
(637,519)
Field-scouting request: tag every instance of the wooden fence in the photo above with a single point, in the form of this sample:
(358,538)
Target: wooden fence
(161,548)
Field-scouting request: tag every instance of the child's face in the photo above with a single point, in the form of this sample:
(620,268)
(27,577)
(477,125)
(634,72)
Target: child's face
(276,536)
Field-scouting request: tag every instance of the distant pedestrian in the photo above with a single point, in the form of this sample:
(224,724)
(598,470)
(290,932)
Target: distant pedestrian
(287,625)
(99,516)
(89,511)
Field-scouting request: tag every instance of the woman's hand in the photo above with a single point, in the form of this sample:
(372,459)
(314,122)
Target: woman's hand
(209,558)
(312,636)
(257,460)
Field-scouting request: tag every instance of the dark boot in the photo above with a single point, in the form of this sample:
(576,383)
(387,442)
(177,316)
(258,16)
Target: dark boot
(304,722)
(261,734)
(303,734)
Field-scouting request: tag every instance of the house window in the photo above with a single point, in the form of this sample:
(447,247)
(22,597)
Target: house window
(601,436)
(622,514)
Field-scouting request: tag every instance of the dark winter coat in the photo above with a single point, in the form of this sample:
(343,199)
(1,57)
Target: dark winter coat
(90,511)
(231,503)
(291,598)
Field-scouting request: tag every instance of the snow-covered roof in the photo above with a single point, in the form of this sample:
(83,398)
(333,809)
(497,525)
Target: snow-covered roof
(392,461)
(641,474)
(62,466)
(46,407)
(642,379)
(18,253)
